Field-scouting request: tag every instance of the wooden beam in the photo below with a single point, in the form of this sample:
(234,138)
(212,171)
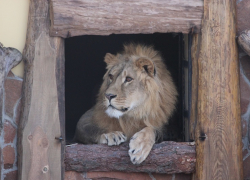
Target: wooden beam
(40,154)
(244,41)
(166,157)
(195,52)
(218,131)
(104,17)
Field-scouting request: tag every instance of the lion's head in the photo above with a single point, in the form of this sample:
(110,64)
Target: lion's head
(137,84)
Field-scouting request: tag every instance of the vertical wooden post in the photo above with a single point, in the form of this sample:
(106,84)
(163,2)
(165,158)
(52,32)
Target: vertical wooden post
(195,52)
(40,150)
(218,130)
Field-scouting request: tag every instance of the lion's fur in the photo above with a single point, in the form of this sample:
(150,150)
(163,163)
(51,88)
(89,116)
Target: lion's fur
(156,85)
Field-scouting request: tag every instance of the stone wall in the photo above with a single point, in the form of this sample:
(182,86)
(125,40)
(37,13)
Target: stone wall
(245,110)
(70,175)
(10,118)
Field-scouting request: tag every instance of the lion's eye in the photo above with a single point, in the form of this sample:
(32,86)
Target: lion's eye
(128,79)
(111,77)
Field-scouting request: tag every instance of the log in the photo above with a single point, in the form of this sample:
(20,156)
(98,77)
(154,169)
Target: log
(166,157)
(103,17)
(41,127)
(244,41)
(218,130)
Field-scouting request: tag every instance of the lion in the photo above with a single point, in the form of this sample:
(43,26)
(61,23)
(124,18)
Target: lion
(135,101)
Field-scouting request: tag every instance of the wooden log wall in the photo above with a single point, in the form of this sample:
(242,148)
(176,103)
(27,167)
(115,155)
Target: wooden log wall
(218,130)
(104,17)
(40,154)
(166,157)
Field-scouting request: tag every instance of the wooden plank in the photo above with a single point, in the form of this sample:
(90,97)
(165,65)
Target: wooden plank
(60,82)
(73,175)
(104,17)
(218,132)
(195,52)
(40,155)
(178,158)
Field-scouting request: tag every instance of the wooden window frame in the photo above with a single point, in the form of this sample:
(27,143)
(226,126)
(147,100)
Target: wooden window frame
(41,144)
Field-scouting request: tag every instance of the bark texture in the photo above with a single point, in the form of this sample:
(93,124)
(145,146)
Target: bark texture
(104,17)
(166,157)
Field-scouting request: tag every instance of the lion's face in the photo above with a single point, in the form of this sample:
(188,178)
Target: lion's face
(124,89)
(138,85)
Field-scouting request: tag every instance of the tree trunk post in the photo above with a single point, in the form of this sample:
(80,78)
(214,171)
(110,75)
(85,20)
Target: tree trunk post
(218,130)
(40,150)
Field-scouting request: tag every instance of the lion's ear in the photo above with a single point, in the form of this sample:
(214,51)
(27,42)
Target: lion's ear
(146,65)
(110,59)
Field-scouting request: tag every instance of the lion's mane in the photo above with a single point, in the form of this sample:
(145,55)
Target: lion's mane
(160,89)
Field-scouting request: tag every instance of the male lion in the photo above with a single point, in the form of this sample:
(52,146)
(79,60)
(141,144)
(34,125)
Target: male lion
(136,99)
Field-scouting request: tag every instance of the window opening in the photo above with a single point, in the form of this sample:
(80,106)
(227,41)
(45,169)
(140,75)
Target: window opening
(85,68)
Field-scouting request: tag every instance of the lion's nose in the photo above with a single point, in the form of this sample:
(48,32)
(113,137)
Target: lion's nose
(110,96)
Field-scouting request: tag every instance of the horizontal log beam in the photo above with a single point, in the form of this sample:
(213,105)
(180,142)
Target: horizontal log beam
(104,17)
(166,157)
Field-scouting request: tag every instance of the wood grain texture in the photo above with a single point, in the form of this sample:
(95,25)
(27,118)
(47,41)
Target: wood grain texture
(244,41)
(166,157)
(195,51)
(218,132)
(104,17)
(40,155)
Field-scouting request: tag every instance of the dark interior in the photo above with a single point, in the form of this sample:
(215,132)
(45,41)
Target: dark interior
(85,69)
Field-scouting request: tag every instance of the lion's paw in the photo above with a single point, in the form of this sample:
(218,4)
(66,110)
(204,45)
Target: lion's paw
(112,138)
(140,145)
